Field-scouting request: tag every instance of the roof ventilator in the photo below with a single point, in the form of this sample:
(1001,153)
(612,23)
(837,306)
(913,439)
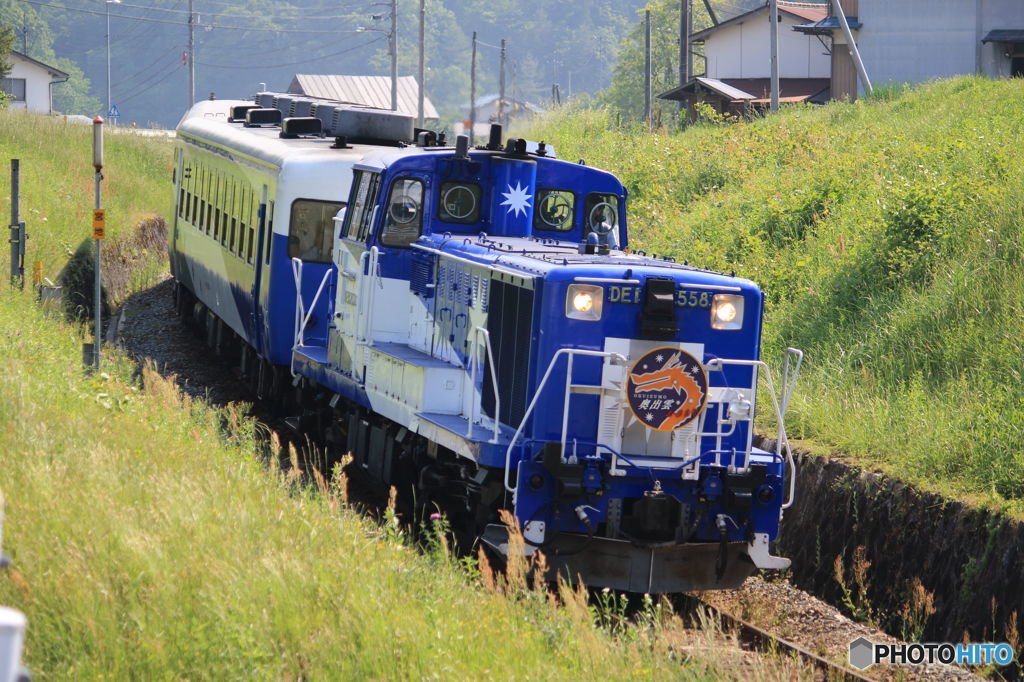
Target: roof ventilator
(238,112)
(255,118)
(293,127)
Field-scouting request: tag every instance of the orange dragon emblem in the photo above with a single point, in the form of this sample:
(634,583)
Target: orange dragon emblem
(667,389)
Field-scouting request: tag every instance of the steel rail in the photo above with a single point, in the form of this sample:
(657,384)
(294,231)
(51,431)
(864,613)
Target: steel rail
(762,640)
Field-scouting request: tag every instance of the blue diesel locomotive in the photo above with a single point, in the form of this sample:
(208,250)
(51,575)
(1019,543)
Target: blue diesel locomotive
(469,324)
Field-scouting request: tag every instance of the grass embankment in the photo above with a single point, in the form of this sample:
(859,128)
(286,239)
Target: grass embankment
(57,198)
(150,542)
(887,235)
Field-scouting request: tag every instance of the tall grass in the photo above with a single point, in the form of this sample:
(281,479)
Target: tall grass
(150,542)
(887,237)
(57,186)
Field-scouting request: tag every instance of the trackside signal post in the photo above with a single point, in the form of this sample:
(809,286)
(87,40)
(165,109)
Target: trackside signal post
(99,224)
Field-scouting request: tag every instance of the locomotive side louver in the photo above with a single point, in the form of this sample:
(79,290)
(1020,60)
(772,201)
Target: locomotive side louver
(510,325)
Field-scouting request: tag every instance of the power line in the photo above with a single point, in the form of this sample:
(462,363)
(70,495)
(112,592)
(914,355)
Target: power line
(125,79)
(225,14)
(153,85)
(185,23)
(302,61)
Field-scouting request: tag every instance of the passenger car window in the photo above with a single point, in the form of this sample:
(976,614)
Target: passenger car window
(404,218)
(555,210)
(310,230)
(460,202)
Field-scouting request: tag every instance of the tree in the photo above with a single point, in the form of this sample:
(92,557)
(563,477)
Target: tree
(71,97)
(626,93)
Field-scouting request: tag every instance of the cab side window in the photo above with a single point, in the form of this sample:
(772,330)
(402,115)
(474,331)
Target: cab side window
(403,221)
(359,216)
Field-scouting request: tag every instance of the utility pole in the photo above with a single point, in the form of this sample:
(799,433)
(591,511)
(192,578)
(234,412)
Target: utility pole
(423,19)
(107,5)
(685,28)
(472,93)
(191,57)
(393,43)
(773,23)
(501,86)
(647,67)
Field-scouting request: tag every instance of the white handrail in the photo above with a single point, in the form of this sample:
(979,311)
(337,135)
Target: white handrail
(369,258)
(300,308)
(529,410)
(301,316)
(477,332)
(780,409)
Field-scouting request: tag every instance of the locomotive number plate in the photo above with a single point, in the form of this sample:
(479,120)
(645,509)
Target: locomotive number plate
(684,299)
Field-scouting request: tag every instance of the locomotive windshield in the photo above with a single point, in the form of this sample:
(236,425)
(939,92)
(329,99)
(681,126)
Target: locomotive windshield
(460,202)
(555,210)
(601,215)
(404,219)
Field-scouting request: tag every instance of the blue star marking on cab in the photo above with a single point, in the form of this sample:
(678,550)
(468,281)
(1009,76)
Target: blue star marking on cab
(516,199)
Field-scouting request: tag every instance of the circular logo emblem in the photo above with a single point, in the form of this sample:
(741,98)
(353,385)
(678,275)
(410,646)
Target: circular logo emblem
(667,389)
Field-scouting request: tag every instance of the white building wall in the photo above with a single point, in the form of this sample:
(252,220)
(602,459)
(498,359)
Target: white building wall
(743,51)
(37,85)
(914,40)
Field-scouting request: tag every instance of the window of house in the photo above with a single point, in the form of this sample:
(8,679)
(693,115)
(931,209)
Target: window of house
(404,219)
(311,230)
(15,87)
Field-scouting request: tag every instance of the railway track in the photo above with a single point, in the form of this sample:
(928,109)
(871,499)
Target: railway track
(758,639)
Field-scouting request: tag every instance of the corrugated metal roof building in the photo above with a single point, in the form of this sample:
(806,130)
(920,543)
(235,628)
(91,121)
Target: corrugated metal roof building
(372,91)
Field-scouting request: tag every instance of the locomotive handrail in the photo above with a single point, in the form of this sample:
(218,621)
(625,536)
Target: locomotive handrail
(782,442)
(370,260)
(300,308)
(570,352)
(492,266)
(477,333)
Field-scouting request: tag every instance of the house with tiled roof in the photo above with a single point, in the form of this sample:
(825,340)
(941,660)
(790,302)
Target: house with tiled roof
(737,58)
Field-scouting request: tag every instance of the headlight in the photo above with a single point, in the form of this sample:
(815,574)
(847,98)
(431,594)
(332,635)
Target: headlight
(584,302)
(727,312)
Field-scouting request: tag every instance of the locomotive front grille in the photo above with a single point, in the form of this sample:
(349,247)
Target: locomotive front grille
(510,325)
